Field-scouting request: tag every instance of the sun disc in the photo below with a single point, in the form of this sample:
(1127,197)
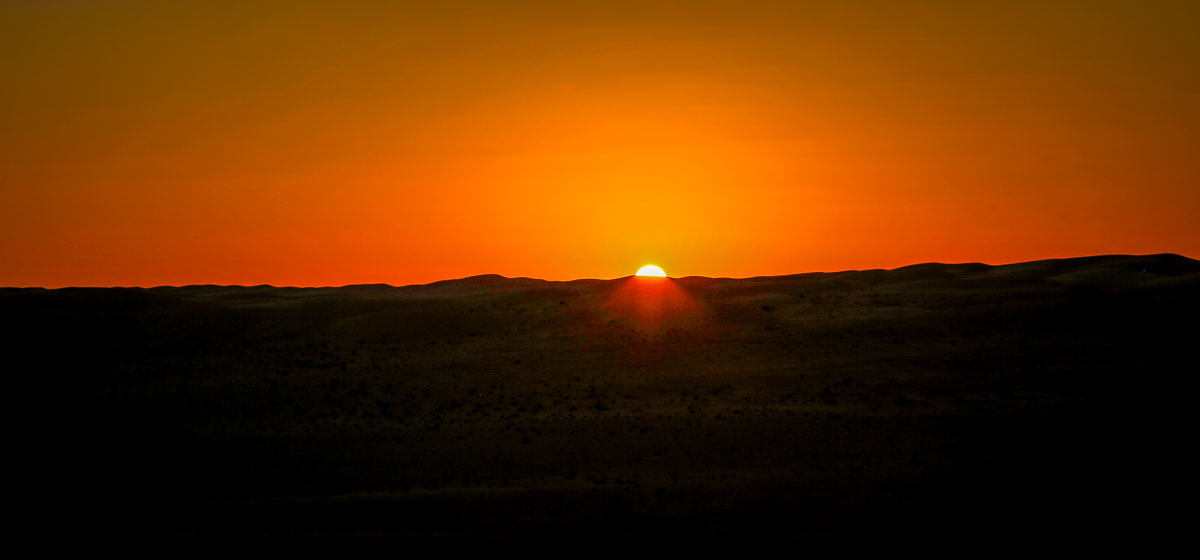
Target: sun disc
(651,270)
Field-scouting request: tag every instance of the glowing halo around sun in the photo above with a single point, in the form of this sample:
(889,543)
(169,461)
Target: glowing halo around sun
(651,270)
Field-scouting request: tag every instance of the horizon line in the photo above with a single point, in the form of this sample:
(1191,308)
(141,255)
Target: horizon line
(501,276)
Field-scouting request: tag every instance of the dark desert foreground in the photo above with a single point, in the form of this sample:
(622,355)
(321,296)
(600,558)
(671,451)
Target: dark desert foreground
(937,401)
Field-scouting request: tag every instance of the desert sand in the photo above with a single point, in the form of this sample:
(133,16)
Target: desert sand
(1045,399)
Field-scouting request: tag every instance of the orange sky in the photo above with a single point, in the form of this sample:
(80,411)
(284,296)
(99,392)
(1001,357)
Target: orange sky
(328,143)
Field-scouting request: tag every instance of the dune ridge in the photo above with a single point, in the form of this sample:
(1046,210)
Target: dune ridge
(931,401)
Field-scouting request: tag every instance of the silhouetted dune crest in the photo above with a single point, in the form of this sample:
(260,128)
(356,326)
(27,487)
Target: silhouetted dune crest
(1098,268)
(488,281)
(964,391)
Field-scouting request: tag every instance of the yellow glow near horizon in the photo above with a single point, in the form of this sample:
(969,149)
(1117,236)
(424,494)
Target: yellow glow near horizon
(331,143)
(651,270)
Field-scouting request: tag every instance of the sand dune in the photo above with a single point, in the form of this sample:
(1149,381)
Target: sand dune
(1040,399)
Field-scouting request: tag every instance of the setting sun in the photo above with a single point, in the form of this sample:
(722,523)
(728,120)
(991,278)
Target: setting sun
(651,270)
(308,269)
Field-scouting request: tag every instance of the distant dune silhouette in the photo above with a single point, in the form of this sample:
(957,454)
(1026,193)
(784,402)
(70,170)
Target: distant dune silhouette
(1038,400)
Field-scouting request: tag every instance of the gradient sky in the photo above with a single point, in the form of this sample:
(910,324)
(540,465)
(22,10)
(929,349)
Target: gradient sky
(327,143)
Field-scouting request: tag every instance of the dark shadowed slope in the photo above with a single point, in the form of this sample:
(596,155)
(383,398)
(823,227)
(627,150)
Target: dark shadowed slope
(1041,399)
